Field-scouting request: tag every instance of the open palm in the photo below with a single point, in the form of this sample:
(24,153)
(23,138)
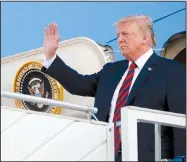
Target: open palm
(51,40)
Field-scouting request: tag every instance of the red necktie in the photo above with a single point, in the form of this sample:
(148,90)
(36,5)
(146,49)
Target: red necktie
(121,101)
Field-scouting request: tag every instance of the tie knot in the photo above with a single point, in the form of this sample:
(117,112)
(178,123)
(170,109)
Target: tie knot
(133,66)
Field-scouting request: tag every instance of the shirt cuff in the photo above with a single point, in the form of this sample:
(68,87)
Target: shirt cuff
(47,63)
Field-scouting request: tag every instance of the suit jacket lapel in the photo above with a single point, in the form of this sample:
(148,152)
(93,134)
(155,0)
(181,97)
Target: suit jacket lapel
(142,77)
(118,73)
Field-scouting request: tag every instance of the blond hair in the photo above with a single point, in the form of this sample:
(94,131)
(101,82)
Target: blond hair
(144,22)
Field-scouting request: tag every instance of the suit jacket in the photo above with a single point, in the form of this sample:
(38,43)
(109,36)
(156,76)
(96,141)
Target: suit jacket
(162,88)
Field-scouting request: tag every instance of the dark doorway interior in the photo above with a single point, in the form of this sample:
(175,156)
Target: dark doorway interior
(181,57)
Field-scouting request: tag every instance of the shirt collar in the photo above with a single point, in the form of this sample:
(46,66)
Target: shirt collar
(140,62)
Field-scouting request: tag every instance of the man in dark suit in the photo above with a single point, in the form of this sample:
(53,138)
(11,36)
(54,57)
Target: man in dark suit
(143,79)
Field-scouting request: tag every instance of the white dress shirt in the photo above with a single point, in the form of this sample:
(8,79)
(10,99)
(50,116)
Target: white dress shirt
(48,63)
(139,62)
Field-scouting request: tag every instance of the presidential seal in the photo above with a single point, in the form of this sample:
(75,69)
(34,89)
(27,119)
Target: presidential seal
(31,80)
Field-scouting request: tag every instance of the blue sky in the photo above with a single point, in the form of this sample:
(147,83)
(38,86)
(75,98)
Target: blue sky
(22,23)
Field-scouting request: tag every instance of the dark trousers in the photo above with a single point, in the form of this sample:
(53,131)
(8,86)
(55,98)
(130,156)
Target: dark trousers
(118,157)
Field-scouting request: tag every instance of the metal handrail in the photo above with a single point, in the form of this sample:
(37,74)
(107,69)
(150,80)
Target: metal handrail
(131,115)
(50,102)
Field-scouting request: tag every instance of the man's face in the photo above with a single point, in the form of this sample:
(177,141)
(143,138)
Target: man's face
(129,38)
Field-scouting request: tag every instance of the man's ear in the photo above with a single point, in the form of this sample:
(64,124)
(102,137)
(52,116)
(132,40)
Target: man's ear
(145,39)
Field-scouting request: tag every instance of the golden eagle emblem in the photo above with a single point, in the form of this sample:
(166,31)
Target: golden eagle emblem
(36,88)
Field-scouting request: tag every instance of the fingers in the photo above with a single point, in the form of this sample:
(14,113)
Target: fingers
(52,29)
(56,29)
(45,32)
(56,32)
